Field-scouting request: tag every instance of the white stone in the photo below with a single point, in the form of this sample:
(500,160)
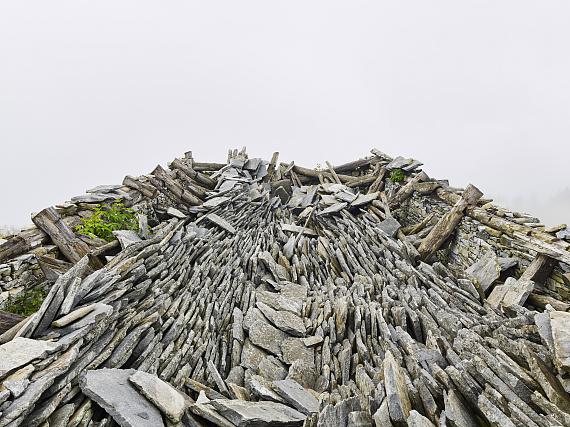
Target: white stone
(20,351)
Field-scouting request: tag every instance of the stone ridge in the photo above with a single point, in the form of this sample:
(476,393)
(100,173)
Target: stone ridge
(259,293)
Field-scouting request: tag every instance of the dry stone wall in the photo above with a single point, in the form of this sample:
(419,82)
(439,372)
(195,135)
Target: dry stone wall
(472,240)
(269,294)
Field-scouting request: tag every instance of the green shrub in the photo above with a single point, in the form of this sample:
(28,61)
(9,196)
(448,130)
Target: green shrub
(25,303)
(397,175)
(108,218)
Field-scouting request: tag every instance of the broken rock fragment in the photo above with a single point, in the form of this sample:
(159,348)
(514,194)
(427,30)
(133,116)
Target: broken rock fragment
(165,397)
(111,389)
(258,413)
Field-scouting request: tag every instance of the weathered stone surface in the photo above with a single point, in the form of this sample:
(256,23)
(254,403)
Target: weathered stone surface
(513,292)
(126,238)
(397,397)
(304,373)
(359,419)
(165,397)
(381,417)
(266,336)
(111,389)
(272,369)
(298,397)
(560,327)
(21,351)
(258,413)
(280,302)
(337,415)
(260,387)
(284,320)
(418,420)
(251,355)
(312,341)
(456,413)
(486,270)
(390,226)
(294,349)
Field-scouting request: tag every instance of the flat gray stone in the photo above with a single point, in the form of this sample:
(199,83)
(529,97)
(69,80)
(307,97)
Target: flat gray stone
(294,349)
(486,270)
(312,341)
(126,238)
(166,398)
(381,417)
(304,373)
(215,201)
(542,321)
(21,351)
(280,301)
(272,369)
(266,336)
(220,222)
(390,226)
(284,320)
(175,213)
(517,292)
(111,389)
(251,355)
(513,292)
(260,387)
(296,396)
(258,413)
(364,199)
(337,207)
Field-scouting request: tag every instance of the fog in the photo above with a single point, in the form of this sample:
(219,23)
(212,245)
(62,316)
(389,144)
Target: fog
(477,90)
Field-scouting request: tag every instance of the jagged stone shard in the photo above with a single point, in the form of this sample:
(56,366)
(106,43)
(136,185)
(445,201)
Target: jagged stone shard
(165,397)
(258,414)
(111,389)
(218,220)
(21,351)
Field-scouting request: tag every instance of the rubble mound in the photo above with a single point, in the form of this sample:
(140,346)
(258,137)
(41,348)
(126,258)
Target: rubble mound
(259,293)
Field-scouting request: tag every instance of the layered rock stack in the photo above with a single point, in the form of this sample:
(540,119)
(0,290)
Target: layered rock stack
(271,294)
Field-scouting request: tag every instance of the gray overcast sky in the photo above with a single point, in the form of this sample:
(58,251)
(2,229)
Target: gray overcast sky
(477,90)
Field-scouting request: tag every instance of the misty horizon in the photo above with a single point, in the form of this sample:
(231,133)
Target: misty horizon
(478,91)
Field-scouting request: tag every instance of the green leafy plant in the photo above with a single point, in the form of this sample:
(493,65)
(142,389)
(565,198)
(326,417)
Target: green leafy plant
(397,175)
(108,218)
(27,302)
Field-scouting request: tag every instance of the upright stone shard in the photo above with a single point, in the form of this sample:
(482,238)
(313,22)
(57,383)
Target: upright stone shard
(560,327)
(399,405)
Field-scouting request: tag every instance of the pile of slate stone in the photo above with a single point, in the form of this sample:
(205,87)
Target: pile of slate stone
(269,294)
